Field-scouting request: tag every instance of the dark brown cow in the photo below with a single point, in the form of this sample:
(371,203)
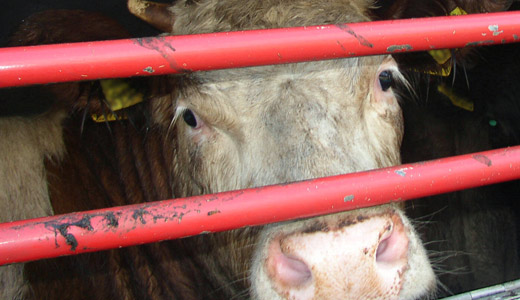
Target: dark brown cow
(33,131)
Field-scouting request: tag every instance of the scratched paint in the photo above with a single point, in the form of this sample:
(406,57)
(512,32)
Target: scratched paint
(480,43)
(399,48)
(494,29)
(362,41)
(70,239)
(112,220)
(164,48)
(149,70)
(139,215)
(348,198)
(483,159)
(401,173)
(341,45)
(62,227)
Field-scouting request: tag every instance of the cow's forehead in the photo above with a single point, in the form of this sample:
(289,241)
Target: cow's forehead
(355,69)
(213,16)
(254,93)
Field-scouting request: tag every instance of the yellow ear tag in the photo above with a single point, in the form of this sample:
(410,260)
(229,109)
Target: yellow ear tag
(458,12)
(108,117)
(445,71)
(440,56)
(455,99)
(119,94)
(443,55)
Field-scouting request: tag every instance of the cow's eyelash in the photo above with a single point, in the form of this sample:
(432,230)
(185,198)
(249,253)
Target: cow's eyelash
(401,83)
(398,76)
(179,111)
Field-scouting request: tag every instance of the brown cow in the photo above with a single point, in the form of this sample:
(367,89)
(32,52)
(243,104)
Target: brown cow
(32,132)
(232,129)
(303,120)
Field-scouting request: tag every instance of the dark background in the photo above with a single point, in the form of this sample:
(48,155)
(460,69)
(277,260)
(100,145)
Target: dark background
(12,12)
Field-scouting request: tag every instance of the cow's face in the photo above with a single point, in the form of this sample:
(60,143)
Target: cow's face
(257,126)
(266,125)
(250,127)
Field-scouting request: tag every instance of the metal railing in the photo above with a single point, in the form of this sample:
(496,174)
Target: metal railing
(177,54)
(156,221)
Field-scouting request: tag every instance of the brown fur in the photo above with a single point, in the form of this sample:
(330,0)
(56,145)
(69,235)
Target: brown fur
(215,16)
(23,185)
(107,165)
(56,26)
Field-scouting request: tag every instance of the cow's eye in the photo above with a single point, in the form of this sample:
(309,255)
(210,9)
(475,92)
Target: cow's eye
(385,80)
(189,118)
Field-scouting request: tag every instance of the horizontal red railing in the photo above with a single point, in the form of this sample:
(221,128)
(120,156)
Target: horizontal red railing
(155,221)
(177,54)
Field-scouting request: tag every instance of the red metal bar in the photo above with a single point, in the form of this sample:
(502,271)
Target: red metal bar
(176,54)
(150,222)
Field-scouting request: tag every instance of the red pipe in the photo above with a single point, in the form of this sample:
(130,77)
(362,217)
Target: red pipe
(177,54)
(115,227)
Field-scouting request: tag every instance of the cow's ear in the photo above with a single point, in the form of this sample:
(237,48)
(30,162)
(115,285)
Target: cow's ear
(156,14)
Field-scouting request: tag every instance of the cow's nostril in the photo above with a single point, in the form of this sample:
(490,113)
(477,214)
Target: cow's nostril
(393,245)
(287,269)
(293,271)
(382,253)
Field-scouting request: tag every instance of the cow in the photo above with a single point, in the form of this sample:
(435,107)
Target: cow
(215,131)
(31,128)
(207,133)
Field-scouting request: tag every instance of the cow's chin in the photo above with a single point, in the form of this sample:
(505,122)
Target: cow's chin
(366,254)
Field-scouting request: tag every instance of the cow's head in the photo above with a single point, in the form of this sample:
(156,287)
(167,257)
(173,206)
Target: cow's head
(250,127)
